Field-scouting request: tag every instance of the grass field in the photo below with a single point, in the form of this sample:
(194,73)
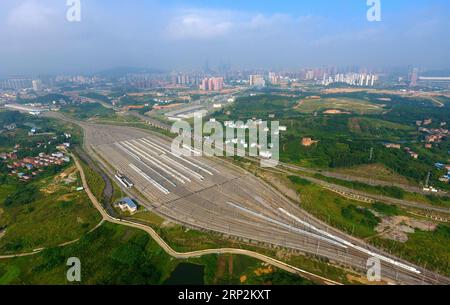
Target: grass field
(428,249)
(117,119)
(358,106)
(56,214)
(89,110)
(237,269)
(110,255)
(345,214)
(376,172)
(95,181)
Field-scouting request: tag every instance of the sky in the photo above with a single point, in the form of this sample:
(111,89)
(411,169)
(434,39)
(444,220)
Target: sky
(37,38)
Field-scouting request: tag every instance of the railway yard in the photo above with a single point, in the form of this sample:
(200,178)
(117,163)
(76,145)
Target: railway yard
(212,194)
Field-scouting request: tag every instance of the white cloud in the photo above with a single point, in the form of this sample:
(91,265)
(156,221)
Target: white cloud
(207,24)
(199,24)
(262,21)
(30,15)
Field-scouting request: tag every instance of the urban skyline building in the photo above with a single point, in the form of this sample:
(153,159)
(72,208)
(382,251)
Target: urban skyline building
(414,77)
(257,81)
(212,84)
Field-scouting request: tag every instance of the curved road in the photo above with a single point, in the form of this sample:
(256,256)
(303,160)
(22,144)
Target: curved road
(193,254)
(172,252)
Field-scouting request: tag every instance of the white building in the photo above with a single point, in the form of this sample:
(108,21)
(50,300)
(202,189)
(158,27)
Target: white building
(126,204)
(37,85)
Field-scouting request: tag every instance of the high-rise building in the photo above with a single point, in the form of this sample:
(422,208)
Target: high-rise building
(353,79)
(212,84)
(274,79)
(183,79)
(37,85)
(16,84)
(204,84)
(218,83)
(414,77)
(310,74)
(257,81)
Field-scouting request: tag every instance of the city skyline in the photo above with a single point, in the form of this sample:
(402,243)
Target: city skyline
(175,35)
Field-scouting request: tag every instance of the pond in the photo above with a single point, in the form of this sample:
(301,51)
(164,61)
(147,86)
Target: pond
(186,274)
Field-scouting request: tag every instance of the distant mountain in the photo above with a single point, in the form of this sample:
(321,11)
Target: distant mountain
(122,71)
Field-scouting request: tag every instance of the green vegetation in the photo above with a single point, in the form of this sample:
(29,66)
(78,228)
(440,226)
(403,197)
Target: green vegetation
(390,191)
(388,210)
(44,213)
(97,96)
(260,106)
(119,255)
(88,110)
(237,269)
(375,172)
(299,181)
(358,106)
(46,129)
(117,192)
(47,210)
(360,215)
(345,214)
(428,249)
(24,195)
(45,99)
(94,180)
(182,239)
(110,255)
(357,138)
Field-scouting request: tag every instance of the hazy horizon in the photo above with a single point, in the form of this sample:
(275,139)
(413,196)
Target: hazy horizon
(182,35)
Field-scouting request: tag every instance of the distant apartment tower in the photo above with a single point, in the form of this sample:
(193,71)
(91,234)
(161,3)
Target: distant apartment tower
(310,75)
(257,81)
(183,79)
(218,83)
(352,79)
(37,85)
(15,84)
(374,78)
(274,79)
(414,77)
(212,84)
